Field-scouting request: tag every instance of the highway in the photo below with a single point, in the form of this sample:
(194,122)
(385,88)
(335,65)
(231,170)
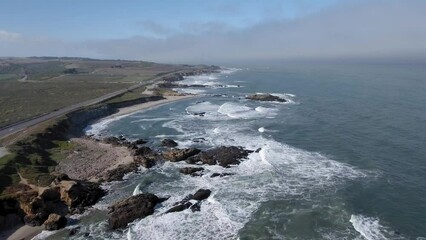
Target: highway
(22,125)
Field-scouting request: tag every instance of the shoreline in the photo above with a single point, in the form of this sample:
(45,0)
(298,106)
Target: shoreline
(27,232)
(24,232)
(148,105)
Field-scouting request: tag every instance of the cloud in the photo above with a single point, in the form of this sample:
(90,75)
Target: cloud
(373,29)
(18,45)
(8,36)
(369,30)
(155,29)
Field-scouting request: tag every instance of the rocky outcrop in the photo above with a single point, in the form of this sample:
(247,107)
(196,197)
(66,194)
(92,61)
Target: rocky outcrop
(73,231)
(62,197)
(122,141)
(55,222)
(78,194)
(176,155)
(118,173)
(146,157)
(224,156)
(191,170)
(114,141)
(168,143)
(265,97)
(180,207)
(36,219)
(139,142)
(147,161)
(132,208)
(143,151)
(186,203)
(221,174)
(201,194)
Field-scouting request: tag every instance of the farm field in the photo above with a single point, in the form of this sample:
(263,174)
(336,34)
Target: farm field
(31,87)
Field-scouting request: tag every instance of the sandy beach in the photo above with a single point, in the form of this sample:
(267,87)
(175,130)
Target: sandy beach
(25,233)
(149,105)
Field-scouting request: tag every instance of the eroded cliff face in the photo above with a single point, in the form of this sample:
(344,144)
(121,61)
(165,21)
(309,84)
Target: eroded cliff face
(33,206)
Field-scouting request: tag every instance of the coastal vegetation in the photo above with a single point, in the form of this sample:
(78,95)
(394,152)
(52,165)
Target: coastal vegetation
(31,87)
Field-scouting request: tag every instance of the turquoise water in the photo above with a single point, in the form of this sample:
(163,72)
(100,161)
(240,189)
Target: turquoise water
(343,159)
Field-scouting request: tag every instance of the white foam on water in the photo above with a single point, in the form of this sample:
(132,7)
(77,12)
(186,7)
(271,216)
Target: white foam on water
(207,107)
(137,190)
(369,228)
(231,86)
(189,90)
(262,130)
(225,70)
(238,111)
(279,170)
(43,235)
(97,128)
(150,120)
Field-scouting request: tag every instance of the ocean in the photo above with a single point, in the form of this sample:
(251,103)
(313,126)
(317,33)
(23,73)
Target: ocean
(343,158)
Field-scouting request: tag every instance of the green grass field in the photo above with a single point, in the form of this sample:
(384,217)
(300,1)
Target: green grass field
(47,88)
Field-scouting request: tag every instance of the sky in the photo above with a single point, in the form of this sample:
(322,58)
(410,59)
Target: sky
(202,31)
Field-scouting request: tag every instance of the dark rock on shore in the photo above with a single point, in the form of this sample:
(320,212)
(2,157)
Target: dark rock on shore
(190,170)
(55,222)
(115,141)
(198,196)
(224,156)
(146,157)
(37,219)
(168,143)
(122,141)
(139,142)
(199,140)
(62,197)
(143,151)
(132,208)
(61,177)
(146,161)
(79,194)
(180,207)
(201,194)
(200,114)
(265,97)
(221,174)
(74,231)
(176,155)
(118,173)
(196,207)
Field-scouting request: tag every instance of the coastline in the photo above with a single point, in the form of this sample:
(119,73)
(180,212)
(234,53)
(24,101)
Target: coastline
(24,232)
(148,105)
(95,158)
(97,150)
(90,165)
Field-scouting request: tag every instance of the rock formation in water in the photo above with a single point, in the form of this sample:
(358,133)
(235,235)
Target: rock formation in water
(265,97)
(136,207)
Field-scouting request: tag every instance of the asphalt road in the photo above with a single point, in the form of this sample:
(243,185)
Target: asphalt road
(20,126)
